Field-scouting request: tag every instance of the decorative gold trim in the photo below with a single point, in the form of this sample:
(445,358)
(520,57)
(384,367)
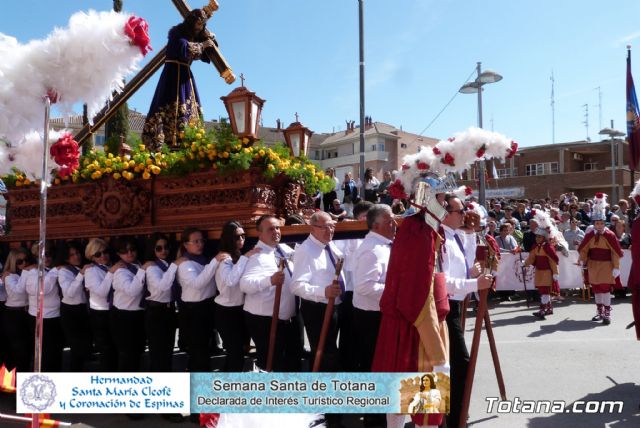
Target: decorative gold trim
(210,8)
(425,308)
(228,76)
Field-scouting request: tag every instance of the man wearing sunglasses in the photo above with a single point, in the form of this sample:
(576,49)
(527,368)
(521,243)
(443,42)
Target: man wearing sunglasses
(461,279)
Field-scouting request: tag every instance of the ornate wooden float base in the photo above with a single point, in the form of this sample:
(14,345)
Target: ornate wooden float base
(111,207)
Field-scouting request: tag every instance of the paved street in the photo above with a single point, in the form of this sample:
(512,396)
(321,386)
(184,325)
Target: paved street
(566,357)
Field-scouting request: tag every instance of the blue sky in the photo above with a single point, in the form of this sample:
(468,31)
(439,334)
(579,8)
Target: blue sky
(302,56)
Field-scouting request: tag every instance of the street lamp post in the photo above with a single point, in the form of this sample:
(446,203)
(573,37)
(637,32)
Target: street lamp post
(612,133)
(472,88)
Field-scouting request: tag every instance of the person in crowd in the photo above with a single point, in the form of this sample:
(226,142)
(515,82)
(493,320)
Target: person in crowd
(53,340)
(196,278)
(230,299)
(564,223)
(336,211)
(497,211)
(127,314)
(545,259)
(508,216)
(74,311)
(515,232)
(573,235)
(600,251)
(520,212)
(585,214)
(575,213)
(492,228)
(15,320)
(313,273)
(98,280)
(624,214)
(383,192)
(371,184)
(397,207)
(328,197)
(461,279)
(623,237)
(506,242)
(350,197)
(261,276)
(529,237)
(371,260)
(163,293)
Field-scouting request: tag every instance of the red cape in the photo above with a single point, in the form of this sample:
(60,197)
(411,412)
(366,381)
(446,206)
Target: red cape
(551,252)
(409,276)
(493,243)
(608,235)
(634,274)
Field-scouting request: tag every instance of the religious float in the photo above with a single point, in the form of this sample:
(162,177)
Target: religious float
(200,177)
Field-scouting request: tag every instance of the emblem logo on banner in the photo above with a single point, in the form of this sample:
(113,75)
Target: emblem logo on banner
(38,392)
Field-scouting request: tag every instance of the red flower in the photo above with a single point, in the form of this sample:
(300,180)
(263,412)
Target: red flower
(533,213)
(481,151)
(66,153)
(511,152)
(53,95)
(423,165)
(451,139)
(468,191)
(436,151)
(448,159)
(136,29)
(599,195)
(396,190)
(405,167)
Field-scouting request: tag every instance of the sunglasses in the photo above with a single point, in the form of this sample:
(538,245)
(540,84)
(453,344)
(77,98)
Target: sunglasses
(20,262)
(241,236)
(196,241)
(99,254)
(127,250)
(162,248)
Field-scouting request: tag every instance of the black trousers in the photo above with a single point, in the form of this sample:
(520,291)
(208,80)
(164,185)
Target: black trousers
(198,325)
(103,341)
(160,324)
(346,340)
(52,343)
(19,339)
(459,361)
(365,333)
(313,314)
(233,330)
(77,332)
(327,199)
(288,349)
(127,330)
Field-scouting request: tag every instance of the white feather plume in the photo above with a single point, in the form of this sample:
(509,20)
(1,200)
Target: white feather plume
(267,420)
(27,156)
(85,62)
(636,190)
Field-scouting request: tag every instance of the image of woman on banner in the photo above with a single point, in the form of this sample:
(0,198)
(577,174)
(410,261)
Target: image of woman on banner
(176,102)
(428,399)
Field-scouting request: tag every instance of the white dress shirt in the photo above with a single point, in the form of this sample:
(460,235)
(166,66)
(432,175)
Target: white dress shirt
(197,281)
(469,243)
(51,304)
(313,270)
(256,283)
(348,248)
(72,286)
(228,282)
(371,261)
(16,291)
(453,265)
(98,282)
(159,283)
(128,289)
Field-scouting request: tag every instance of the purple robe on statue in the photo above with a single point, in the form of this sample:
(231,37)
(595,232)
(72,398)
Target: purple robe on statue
(176,101)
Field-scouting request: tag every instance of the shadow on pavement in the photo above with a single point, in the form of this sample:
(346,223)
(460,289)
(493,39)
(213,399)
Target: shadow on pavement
(565,325)
(628,393)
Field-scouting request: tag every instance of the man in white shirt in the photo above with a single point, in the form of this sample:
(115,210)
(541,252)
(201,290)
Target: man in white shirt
(371,260)
(313,274)
(461,279)
(260,277)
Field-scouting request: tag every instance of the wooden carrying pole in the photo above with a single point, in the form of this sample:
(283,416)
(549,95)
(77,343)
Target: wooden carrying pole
(328,312)
(274,320)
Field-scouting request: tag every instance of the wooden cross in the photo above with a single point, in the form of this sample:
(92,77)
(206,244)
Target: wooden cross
(147,71)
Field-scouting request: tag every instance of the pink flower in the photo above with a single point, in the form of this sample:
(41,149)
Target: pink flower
(405,167)
(136,29)
(468,191)
(436,151)
(396,190)
(511,152)
(599,195)
(451,139)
